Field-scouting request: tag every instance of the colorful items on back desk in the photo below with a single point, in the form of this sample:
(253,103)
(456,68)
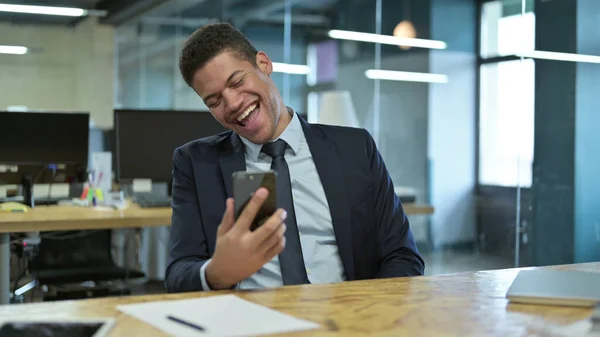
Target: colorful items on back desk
(99,195)
(84,193)
(93,195)
(90,192)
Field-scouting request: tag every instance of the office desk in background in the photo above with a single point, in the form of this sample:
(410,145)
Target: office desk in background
(62,218)
(59,218)
(465,304)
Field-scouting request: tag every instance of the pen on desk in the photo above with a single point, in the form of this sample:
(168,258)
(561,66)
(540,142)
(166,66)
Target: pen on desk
(188,324)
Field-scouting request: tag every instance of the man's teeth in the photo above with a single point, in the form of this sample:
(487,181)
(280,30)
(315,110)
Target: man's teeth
(247,112)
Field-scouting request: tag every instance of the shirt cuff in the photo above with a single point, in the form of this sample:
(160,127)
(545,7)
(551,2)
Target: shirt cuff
(205,286)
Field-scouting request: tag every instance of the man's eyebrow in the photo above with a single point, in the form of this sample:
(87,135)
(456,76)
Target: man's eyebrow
(233,75)
(229,79)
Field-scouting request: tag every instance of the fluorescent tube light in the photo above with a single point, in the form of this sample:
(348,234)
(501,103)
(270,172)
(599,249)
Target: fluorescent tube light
(16,50)
(550,55)
(376,74)
(297,69)
(47,10)
(386,39)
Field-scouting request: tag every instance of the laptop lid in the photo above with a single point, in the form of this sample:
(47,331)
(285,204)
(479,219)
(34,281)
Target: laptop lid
(556,287)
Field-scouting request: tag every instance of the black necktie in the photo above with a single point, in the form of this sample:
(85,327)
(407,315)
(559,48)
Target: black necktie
(293,270)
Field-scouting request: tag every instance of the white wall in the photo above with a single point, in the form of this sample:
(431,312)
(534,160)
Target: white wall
(68,69)
(451,124)
(451,148)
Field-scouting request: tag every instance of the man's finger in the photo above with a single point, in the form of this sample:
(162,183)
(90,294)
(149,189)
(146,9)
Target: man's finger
(244,221)
(228,218)
(272,240)
(268,228)
(275,250)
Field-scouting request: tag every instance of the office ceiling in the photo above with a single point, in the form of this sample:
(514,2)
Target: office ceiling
(156,27)
(62,3)
(17,18)
(240,12)
(196,12)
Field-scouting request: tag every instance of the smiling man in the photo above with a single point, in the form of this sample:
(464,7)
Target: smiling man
(339,219)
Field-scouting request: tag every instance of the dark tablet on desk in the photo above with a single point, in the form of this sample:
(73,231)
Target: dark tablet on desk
(56,327)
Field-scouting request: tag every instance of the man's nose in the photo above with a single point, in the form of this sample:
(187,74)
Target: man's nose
(233,99)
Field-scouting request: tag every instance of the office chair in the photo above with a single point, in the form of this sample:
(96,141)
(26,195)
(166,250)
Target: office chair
(74,257)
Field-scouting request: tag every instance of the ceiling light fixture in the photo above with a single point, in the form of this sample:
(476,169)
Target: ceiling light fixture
(555,56)
(46,10)
(376,74)
(297,69)
(14,50)
(386,39)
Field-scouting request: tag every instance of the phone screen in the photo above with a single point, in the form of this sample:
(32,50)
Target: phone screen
(244,186)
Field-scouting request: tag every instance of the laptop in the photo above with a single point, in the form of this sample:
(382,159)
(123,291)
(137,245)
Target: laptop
(556,287)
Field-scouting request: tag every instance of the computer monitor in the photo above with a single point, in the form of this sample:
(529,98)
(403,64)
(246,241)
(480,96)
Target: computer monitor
(146,139)
(42,138)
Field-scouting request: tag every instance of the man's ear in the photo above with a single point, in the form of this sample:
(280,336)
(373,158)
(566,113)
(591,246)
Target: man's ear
(264,64)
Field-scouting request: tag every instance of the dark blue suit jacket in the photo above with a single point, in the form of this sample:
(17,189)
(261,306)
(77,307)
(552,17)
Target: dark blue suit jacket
(371,229)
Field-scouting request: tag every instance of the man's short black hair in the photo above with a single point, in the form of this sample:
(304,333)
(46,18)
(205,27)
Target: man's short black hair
(210,41)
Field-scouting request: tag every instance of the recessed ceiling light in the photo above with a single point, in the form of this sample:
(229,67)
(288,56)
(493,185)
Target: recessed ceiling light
(15,50)
(46,10)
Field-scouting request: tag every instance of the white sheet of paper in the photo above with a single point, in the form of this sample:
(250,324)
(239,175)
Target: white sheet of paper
(142,185)
(224,315)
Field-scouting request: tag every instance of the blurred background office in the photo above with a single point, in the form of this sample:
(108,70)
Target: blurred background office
(485,110)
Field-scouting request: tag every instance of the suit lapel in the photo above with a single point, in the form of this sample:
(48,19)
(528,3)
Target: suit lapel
(327,162)
(231,159)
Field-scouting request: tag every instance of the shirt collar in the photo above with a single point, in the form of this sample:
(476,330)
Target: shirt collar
(292,135)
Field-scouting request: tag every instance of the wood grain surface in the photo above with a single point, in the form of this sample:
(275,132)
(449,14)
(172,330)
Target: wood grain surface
(58,218)
(53,218)
(416,209)
(465,304)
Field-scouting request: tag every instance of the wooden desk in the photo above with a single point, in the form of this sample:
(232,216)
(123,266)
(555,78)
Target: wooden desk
(53,218)
(58,218)
(417,209)
(466,304)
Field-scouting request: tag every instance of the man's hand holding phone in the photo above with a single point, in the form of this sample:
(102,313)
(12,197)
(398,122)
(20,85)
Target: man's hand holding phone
(240,252)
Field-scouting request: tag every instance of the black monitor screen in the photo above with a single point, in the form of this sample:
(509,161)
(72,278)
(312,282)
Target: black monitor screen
(33,138)
(146,140)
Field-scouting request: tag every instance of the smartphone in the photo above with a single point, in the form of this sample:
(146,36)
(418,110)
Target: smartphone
(57,327)
(244,186)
